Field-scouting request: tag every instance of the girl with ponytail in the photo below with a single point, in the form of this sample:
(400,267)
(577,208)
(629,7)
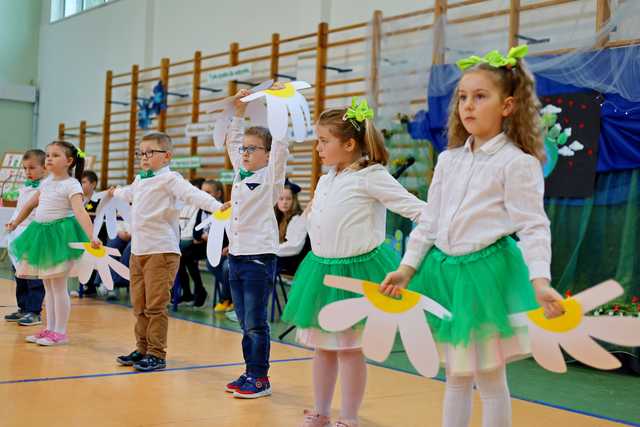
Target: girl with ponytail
(346,224)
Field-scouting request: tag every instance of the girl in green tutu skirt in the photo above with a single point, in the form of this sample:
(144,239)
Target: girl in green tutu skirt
(346,225)
(487,186)
(42,250)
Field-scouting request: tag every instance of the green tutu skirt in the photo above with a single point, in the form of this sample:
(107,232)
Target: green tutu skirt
(480,290)
(309,294)
(42,249)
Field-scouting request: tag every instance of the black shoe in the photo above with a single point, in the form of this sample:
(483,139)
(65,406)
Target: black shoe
(150,363)
(30,319)
(185,299)
(200,299)
(130,359)
(14,317)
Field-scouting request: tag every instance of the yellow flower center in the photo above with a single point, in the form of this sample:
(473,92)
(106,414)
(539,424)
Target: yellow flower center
(98,253)
(222,215)
(568,321)
(387,304)
(286,92)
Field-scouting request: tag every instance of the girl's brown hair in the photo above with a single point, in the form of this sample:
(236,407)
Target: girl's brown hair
(285,218)
(368,138)
(523,125)
(71,151)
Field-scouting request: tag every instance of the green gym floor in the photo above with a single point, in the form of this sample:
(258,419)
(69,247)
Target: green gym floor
(613,396)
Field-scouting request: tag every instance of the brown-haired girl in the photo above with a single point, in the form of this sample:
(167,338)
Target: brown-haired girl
(42,250)
(487,186)
(346,225)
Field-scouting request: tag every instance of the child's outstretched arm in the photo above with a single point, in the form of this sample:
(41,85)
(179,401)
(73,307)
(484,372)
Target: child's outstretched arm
(386,189)
(183,190)
(83,218)
(24,213)
(235,136)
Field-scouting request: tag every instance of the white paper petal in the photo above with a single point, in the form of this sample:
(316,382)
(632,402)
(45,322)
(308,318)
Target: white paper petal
(587,351)
(297,121)
(598,295)
(433,307)
(111,251)
(277,117)
(84,267)
(257,113)
(546,350)
(300,84)
(341,315)
(346,283)
(379,335)
(214,242)
(253,96)
(624,331)
(418,343)
(105,275)
(262,86)
(119,268)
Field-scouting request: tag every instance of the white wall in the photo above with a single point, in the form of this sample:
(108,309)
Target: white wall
(76,52)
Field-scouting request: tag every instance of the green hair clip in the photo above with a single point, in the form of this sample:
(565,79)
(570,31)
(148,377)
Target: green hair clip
(81,154)
(495,58)
(358,112)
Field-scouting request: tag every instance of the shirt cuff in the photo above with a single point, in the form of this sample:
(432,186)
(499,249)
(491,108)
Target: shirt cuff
(539,269)
(412,258)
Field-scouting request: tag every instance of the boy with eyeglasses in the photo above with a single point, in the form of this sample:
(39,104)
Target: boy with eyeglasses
(155,245)
(259,170)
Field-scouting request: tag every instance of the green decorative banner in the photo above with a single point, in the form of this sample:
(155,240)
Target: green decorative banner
(185,162)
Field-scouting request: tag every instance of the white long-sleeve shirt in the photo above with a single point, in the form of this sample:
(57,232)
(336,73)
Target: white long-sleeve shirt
(476,198)
(295,237)
(154,214)
(348,214)
(254,228)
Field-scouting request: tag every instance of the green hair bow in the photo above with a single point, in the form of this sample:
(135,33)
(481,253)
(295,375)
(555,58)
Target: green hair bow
(358,112)
(81,154)
(495,58)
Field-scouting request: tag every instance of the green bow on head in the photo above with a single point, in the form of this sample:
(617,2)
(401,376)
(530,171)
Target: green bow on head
(81,154)
(358,111)
(147,174)
(495,58)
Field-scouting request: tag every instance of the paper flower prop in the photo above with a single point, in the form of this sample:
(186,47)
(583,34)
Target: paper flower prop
(100,260)
(256,113)
(385,315)
(573,330)
(281,103)
(217,223)
(107,212)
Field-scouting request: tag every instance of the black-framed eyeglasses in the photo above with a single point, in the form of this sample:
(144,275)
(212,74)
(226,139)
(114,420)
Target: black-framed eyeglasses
(250,149)
(148,154)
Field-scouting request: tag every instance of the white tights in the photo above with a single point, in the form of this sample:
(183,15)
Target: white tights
(494,393)
(58,304)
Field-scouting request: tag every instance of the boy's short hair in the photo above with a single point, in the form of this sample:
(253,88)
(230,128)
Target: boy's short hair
(90,175)
(197,182)
(36,154)
(215,184)
(162,139)
(262,133)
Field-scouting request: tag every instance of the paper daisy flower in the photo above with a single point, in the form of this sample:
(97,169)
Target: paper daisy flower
(281,103)
(107,212)
(385,315)
(217,223)
(100,260)
(255,112)
(573,330)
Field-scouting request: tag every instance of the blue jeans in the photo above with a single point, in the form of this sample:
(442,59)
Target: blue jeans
(29,294)
(252,278)
(125,253)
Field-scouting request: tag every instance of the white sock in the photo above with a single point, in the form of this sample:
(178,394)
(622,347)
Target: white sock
(353,378)
(496,401)
(62,304)
(50,307)
(325,373)
(457,401)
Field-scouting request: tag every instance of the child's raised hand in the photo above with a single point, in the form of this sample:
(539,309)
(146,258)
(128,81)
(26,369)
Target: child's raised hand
(111,191)
(277,86)
(548,298)
(225,206)
(241,107)
(96,244)
(395,281)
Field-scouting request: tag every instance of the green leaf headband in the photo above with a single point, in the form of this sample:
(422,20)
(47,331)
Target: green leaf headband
(495,59)
(358,112)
